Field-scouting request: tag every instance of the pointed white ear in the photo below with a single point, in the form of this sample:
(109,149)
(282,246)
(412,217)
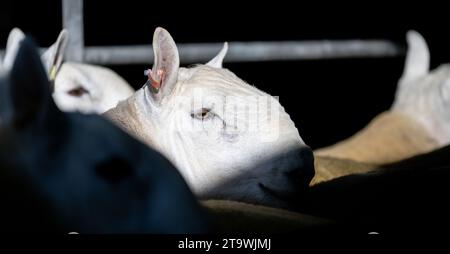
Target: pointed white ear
(12,46)
(164,74)
(217,61)
(417,58)
(53,57)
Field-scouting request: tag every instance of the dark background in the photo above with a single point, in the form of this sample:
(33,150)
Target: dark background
(328,99)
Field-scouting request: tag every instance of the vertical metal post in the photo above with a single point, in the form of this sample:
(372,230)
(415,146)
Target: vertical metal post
(73,22)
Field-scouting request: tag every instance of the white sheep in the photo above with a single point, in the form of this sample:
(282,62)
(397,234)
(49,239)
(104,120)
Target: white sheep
(418,121)
(77,87)
(228,139)
(63,172)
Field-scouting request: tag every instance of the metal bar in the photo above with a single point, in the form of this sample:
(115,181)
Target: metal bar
(73,22)
(248,51)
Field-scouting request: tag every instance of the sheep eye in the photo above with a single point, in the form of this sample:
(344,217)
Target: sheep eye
(78,92)
(203,114)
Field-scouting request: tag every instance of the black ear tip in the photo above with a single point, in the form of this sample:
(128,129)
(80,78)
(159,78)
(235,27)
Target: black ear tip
(29,57)
(29,86)
(27,47)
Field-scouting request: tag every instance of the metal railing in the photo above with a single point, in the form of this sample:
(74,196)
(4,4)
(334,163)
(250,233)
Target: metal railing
(201,52)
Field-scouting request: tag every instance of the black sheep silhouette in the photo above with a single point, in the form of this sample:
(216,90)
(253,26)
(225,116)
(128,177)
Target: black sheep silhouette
(63,172)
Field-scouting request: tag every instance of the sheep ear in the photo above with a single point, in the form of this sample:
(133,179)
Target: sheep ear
(217,61)
(54,55)
(164,74)
(12,46)
(417,58)
(29,96)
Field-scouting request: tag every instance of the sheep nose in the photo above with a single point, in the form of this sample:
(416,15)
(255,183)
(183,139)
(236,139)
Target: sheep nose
(302,175)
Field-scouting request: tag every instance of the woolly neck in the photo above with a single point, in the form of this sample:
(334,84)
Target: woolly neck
(389,137)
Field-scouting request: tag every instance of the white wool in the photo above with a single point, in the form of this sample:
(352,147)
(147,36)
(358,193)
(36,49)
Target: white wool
(104,87)
(389,137)
(418,122)
(78,87)
(203,171)
(427,100)
(230,152)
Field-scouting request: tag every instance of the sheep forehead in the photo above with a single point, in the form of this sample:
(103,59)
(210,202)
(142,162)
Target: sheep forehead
(427,85)
(104,77)
(217,82)
(214,83)
(436,76)
(204,76)
(441,74)
(220,86)
(71,75)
